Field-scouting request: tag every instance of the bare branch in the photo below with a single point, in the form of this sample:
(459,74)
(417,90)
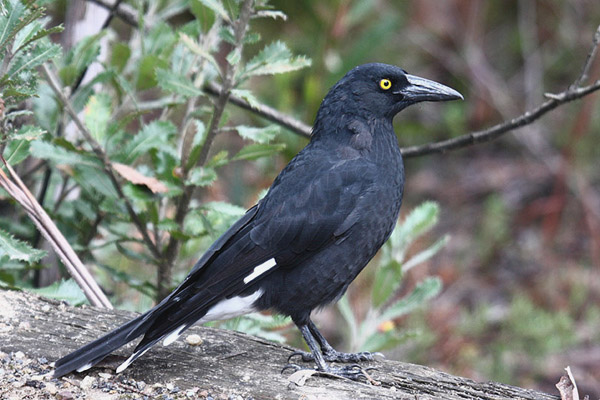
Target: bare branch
(264,111)
(99,151)
(492,133)
(123,11)
(17,189)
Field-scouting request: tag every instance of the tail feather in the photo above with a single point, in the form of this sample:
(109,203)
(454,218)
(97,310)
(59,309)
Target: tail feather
(96,351)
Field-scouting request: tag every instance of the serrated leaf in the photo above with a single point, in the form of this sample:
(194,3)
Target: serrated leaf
(217,8)
(425,254)
(147,71)
(34,58)
(388,278)
(275,58)
(234,57)
(18,250)
(201,176)
(275,14)
(424,290)
(67,290)
(254,151)
(155,135)
(12,20)
(219,159)
(81,56)
(246,95)
(16,151)
(176,83)
(120,53)
(197,49)
(96,115)
(258,135)
(59,155)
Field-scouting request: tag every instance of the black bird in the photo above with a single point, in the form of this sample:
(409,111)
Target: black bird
(324,217)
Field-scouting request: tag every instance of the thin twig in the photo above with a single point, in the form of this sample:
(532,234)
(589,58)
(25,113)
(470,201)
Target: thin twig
(17,189)
(99,151)
(494,132)
(123,11)
(264,111)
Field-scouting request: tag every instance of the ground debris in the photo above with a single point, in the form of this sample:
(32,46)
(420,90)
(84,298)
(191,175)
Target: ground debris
(25,378)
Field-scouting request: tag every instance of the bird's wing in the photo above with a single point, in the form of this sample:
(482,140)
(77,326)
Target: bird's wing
(303,211)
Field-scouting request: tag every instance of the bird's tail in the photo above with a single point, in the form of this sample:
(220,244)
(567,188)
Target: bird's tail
(94,352)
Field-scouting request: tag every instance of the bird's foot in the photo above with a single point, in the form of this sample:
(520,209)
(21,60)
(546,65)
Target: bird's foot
(353,372)
(338,356)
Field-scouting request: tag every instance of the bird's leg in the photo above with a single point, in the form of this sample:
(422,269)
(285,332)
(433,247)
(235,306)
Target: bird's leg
(331,354)
(354,372)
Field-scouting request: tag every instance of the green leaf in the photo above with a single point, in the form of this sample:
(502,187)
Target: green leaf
(424,291)
(60,155)
(147,71)
(418,222)
(32,32)
(67,290)
(219,159)
(120,53)
(246,95)
(80,57)
(18,250)
(201,176)
(275,58)
(388,278)
(17,148)
(155,135)
(425,254)
(217,7)
(258,135)
(34,58)
(97,115)
(258,150)
(198,50)
(16,151)
(14,17)
(176,83)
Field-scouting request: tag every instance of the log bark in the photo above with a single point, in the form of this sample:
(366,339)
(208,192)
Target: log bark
(226,364)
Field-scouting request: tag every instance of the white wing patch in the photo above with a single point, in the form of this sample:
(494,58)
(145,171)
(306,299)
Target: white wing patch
(173,336)
(85,367)
(261,269)
(232,307)
(131,359)
(224,309)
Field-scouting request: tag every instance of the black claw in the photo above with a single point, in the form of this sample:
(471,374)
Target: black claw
(294,354)
(291,366)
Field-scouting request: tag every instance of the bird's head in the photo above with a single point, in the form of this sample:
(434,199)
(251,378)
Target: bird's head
(382,90)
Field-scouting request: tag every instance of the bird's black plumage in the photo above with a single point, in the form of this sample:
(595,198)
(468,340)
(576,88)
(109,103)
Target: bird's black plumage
(324,217)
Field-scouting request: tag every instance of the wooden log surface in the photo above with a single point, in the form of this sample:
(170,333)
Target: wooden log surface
(226,365)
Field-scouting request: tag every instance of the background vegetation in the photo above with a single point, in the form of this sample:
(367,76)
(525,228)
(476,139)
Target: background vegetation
(519,269)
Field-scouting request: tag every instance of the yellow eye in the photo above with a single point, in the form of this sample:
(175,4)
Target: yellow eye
(385,84)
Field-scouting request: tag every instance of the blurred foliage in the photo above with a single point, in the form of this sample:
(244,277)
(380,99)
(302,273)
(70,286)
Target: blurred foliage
(377,330)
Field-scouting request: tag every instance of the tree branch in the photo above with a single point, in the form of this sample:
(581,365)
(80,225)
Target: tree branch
(99,151)
(124,12)
(18,191)
(492,133)
(264,111)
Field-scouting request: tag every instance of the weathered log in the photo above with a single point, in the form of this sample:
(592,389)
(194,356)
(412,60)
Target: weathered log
(226,364)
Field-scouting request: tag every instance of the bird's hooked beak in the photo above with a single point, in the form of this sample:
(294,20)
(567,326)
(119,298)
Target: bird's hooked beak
(421,89)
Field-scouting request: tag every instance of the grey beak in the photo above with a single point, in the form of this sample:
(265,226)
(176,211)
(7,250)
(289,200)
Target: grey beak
(421,89)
